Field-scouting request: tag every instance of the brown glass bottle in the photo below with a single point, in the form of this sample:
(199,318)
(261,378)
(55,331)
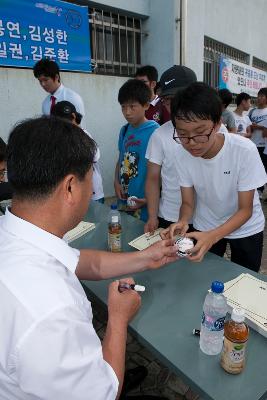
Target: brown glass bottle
(236,334)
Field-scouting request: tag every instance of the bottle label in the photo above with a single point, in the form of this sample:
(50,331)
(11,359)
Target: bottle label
(212,324)
(114,242)
(233,356)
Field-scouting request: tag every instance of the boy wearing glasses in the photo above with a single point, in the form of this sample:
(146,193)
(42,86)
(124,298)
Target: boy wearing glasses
(218,175)
(162,189)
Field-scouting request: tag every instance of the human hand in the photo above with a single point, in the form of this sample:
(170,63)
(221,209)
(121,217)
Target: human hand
(205,240)
(122,306)
(139,203)
(160,253)
(119,191)
(151,225)
(179,228)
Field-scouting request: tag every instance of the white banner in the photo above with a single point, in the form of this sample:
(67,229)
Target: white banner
(238,77)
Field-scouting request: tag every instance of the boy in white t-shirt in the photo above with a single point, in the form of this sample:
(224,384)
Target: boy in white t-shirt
(218,175)
(242,121)
(66,110)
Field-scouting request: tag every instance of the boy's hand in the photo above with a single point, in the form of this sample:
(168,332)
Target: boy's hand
(151,225)
(139,203)
(160,253)
(119,191)
(179,228)
(205,240)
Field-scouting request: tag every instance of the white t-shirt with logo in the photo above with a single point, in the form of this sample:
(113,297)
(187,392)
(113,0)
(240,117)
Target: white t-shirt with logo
(162,150)
(257,116)
(236,168)
(241,123)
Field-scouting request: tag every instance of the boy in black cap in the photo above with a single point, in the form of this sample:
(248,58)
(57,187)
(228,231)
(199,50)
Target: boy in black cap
(66,110)
(162,190)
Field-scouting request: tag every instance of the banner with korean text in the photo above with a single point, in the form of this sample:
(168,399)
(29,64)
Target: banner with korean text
(31,30)
(238,77)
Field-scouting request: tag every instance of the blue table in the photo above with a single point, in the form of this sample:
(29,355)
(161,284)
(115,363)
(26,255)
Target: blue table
(172,307)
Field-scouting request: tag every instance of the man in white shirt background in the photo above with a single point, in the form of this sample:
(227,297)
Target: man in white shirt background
(49,348)
(258,116)
(242,121)
(48,74)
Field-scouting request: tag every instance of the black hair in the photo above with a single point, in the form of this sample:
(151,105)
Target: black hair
(225,96)
(196,101)
(41,152)
(2,150)
(242,96)
(149,71)
(47,68)
(263,91)
(134,90)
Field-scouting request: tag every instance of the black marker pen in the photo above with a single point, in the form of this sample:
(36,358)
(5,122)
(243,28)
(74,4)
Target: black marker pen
(125,285)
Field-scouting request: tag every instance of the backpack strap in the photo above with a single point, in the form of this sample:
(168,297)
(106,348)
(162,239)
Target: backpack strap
(125,129)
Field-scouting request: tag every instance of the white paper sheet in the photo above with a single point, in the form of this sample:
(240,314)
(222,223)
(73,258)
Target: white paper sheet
(81,229)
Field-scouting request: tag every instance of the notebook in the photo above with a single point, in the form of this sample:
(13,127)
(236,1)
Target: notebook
(250,293)
(81,229)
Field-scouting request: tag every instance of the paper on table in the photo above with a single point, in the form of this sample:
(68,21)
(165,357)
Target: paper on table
(145,240)
(250,293)
(81,229)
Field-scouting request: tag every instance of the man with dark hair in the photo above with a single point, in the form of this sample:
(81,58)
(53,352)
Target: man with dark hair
(48,74)
(162,189)
(227,116)
(49,349)
(130,171)
(157,112)
(5,188)
(242,121)
(218,174)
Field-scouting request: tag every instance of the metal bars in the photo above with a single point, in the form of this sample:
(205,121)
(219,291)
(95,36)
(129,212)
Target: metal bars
(115,42)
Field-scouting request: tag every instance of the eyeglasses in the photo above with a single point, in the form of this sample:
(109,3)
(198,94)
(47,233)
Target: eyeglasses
(182,139)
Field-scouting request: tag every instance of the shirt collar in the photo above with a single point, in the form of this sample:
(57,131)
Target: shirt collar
(41,239)
(154,101)
(58,91)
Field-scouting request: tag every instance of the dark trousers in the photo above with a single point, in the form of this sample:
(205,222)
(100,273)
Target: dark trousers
(245,251)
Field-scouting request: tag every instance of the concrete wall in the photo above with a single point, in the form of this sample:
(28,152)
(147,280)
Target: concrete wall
(161,42)
(21,97)
(240,24)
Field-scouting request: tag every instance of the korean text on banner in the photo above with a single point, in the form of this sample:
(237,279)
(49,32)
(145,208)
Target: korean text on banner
(31,30)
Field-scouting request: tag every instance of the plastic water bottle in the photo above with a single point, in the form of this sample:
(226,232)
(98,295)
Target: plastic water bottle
(114,229)
(212,325)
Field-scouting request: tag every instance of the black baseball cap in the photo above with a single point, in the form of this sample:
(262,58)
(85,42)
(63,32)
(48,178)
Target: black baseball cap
(65,109)
(176,78)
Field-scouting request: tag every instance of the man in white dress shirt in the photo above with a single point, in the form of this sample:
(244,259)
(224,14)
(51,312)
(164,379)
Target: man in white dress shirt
(48,74)
(49,348)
